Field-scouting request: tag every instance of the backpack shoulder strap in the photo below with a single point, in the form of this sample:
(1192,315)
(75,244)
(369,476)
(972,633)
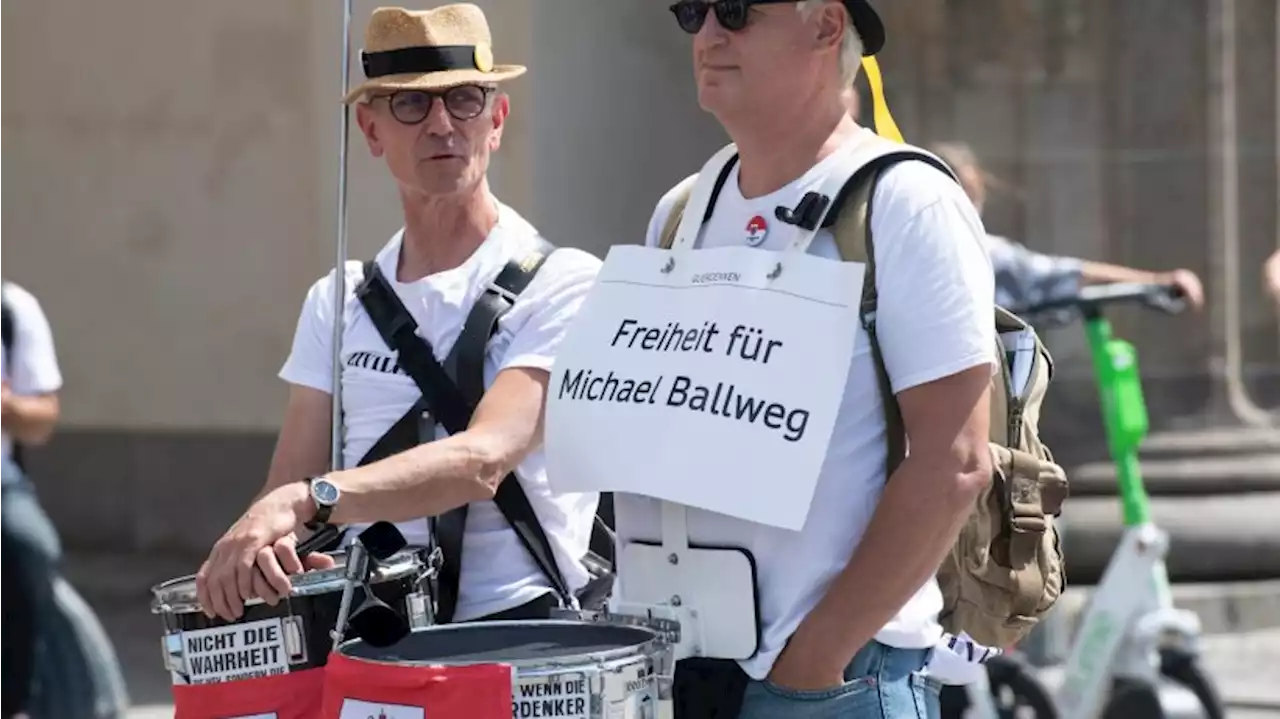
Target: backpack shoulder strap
(852,230)
(692,190)
(672,222)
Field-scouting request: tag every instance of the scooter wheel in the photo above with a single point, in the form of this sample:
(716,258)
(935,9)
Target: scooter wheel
(1133,700)
(1017,693)
(1183,668)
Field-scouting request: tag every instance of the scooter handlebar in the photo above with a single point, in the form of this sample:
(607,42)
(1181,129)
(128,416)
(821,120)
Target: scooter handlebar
(1166,298)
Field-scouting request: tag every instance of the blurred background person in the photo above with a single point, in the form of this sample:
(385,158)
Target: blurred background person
(1271,276)
(1025,277)
(57,661)
(30,543)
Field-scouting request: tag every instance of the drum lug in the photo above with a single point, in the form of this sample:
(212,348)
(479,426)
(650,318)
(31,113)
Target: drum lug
(663,667)
(596,680)
(663,686)
(294,639)
(419,610)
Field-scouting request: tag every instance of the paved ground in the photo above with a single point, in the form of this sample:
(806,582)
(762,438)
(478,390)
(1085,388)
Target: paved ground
(1246,665)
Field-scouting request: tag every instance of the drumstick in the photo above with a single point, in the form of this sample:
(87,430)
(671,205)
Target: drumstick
(340,254)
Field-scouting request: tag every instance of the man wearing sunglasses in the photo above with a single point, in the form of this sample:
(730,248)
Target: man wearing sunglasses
(848,605)
(432,111)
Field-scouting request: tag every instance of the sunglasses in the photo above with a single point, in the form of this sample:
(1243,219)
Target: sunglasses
(731,14)
(462,102)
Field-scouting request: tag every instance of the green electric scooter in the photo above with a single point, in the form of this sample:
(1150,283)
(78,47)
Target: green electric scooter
(1134,654)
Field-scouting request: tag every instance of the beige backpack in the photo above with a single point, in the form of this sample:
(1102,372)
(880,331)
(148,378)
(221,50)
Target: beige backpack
(1006,569)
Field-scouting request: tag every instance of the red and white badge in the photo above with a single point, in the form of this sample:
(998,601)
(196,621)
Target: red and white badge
(757,230)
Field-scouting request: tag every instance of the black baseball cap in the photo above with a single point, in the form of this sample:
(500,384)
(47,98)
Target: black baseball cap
(867,22)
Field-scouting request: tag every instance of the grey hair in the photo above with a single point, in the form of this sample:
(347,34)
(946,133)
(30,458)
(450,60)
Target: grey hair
(850,45)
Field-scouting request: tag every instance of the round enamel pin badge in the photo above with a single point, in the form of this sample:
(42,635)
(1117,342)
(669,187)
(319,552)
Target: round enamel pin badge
(757,230)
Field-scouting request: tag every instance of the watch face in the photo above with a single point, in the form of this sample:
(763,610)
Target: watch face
(324,491)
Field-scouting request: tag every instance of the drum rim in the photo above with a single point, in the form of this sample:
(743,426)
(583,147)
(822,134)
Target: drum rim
(648,648)
(178,595)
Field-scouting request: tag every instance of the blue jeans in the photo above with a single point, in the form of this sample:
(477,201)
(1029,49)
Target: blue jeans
(58,663)
(881,682)
(30,555)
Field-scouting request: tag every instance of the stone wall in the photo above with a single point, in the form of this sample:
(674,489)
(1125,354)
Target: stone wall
(172,190)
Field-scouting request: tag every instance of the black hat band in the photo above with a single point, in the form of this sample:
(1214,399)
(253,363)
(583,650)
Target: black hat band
(414,60)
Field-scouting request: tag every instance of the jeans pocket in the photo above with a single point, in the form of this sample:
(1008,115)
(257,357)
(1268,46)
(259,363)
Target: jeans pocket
(853,686)
(926,682)
(926,691)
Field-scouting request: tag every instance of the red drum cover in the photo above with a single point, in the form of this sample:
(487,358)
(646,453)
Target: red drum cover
(288,696)
(355,689)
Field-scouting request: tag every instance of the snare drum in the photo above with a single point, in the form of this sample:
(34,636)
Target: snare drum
(561,669)
(292,636)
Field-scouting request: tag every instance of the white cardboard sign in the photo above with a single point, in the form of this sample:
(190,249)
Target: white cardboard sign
(357,709)
(238,651)
(710,378)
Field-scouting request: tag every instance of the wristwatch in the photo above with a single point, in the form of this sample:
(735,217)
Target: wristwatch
(325,495)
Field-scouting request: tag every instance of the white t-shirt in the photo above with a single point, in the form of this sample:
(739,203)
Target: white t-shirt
(497,571)
(934,320)
(32,368)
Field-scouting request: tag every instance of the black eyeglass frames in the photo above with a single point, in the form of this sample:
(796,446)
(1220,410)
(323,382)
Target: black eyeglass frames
(462,102)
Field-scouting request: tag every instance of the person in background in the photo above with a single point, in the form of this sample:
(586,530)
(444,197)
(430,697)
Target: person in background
(1025,277)
(1271,276)
(31,381)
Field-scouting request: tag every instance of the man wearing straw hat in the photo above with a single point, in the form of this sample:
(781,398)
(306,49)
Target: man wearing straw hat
(431,108)
(848,605)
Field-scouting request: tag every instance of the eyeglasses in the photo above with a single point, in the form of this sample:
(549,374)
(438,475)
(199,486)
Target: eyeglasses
(731,14)
(463,102)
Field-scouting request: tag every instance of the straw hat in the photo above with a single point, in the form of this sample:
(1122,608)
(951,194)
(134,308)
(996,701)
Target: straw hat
(428,50)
